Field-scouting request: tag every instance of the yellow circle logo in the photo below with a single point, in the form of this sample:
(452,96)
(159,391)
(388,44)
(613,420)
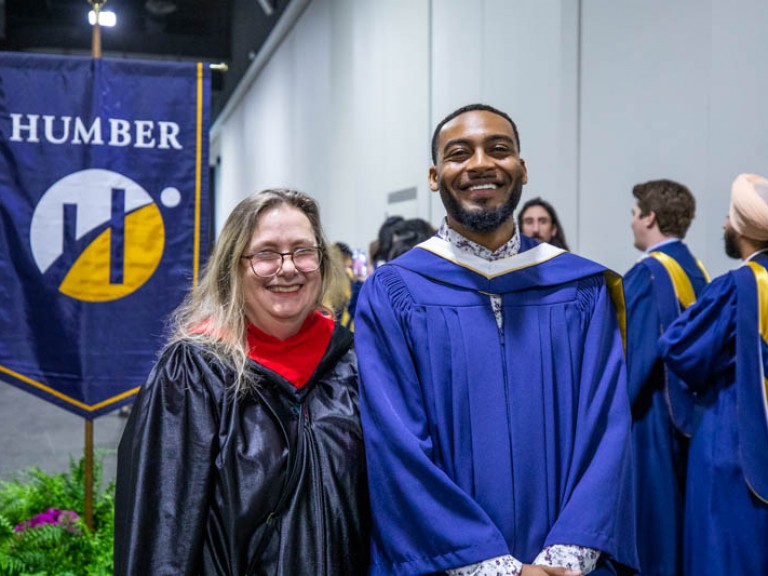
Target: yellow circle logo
(107,226)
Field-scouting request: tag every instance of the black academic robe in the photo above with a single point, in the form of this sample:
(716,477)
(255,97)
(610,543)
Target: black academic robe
(272,482)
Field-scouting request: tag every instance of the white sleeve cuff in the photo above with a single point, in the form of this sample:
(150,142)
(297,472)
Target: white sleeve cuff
(569,556)
(500,566)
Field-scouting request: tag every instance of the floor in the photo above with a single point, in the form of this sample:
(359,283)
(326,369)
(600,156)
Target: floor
(36,433)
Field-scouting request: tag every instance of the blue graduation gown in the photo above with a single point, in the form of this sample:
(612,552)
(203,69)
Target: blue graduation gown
(480,442)
(715,347)
(660,450)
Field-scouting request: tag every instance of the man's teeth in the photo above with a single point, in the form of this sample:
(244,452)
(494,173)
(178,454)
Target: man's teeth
(483,187)
(284,288)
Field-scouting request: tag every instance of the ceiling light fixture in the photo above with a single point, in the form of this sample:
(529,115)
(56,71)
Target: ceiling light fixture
(106,18)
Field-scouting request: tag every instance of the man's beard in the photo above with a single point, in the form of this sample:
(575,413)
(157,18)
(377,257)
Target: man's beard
(731,246)
(482,220)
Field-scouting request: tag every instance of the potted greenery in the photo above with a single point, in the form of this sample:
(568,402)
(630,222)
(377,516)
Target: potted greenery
(42,531)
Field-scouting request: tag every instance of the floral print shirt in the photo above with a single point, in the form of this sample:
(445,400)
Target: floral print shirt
(562,555)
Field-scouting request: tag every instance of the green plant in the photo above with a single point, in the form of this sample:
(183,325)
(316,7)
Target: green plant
(42,531)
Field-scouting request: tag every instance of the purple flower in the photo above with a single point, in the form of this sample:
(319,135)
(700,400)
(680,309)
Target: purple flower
(67,519)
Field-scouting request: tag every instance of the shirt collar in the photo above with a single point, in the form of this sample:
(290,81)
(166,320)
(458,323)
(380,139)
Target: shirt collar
(510,248)
(755,254)
(662,243)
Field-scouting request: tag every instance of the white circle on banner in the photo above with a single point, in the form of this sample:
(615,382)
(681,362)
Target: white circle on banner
(170,197)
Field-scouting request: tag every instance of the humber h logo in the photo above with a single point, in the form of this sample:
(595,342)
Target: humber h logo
(98,234)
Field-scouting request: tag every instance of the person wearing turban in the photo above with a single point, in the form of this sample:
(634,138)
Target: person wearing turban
(719,348)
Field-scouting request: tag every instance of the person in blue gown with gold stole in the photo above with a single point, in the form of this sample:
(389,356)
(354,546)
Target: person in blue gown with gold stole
(663,283)
(493,386)
(718,348)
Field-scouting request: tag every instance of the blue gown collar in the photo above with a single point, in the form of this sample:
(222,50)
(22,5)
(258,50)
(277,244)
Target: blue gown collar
(536,265)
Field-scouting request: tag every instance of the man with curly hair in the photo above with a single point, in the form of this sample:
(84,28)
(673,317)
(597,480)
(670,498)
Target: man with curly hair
(665,281)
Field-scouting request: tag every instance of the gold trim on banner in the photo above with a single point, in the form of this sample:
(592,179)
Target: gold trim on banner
(64,397)
(198,173)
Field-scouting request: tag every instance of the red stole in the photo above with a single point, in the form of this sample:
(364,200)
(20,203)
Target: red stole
(294,358)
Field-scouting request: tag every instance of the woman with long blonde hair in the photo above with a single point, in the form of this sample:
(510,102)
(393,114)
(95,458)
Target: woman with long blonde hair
(243,453)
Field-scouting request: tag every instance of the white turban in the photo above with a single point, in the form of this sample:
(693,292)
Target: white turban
(749,206)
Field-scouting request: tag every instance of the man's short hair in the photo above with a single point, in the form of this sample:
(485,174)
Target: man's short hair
(673,204)
(471,108)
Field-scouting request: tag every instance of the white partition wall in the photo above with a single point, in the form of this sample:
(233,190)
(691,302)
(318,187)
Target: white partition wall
(644,113)
(340,112)
(521,57)
(605,94)
(738,121)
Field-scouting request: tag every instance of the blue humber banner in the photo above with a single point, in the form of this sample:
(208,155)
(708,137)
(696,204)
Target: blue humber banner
(103,220)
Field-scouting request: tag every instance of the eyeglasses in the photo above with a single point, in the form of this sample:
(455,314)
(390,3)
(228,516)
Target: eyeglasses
(268,263)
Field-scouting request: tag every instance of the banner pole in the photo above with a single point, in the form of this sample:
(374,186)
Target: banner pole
(88,496)
(88,448)
(96,38)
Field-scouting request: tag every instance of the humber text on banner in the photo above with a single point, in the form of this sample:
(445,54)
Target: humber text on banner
(103,225)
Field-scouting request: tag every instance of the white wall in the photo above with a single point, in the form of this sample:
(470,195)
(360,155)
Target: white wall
(644,113)
(339,112)
(516,57)
(605,94)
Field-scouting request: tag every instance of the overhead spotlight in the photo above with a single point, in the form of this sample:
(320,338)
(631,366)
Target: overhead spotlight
(106,18)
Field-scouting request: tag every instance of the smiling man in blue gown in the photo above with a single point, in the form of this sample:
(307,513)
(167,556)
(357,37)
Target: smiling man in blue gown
(719,347)
(493,385)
